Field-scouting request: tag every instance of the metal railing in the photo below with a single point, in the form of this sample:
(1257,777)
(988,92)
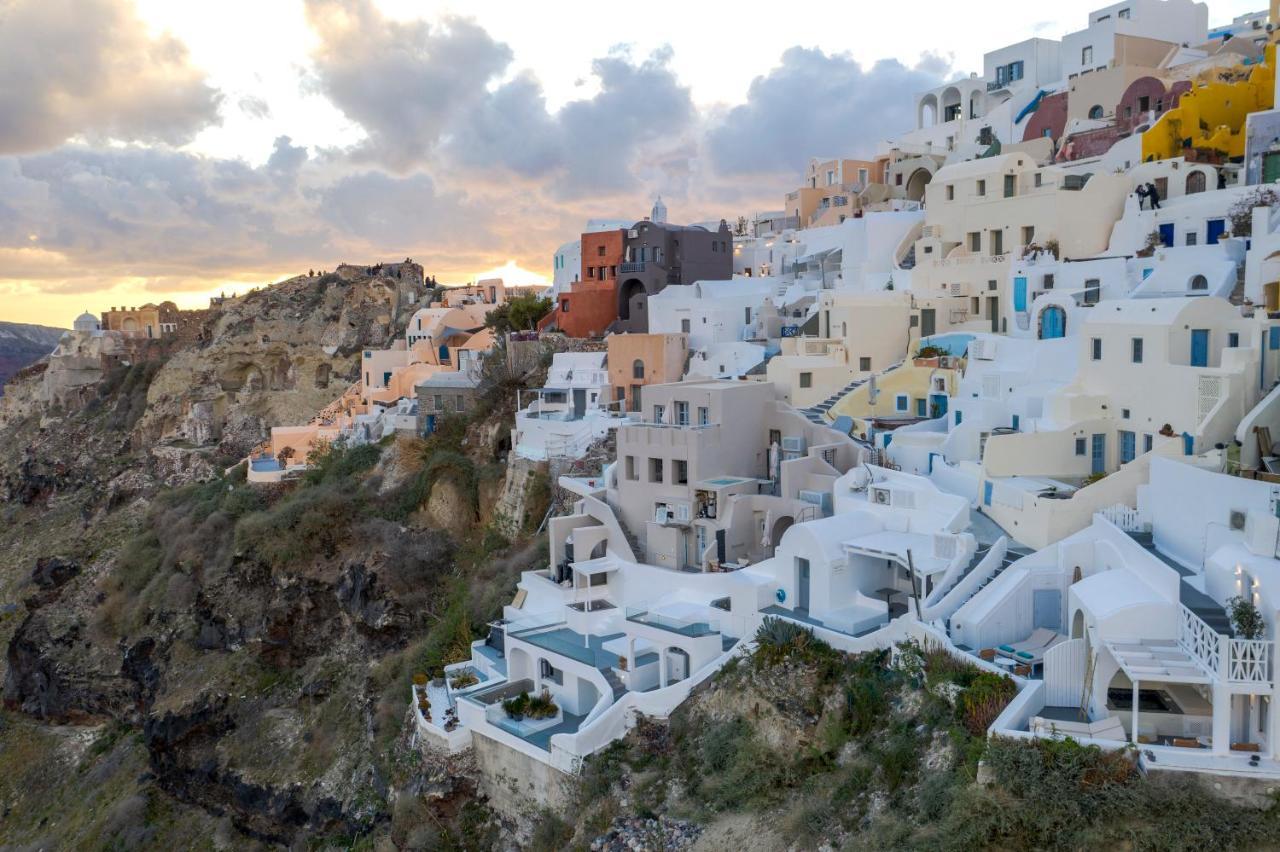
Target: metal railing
(690,627)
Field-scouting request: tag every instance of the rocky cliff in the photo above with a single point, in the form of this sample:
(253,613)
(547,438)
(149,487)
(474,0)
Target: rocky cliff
(214,658)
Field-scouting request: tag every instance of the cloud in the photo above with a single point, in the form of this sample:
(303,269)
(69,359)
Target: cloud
(254,106)
(818,104)
(402,81)
(88,68)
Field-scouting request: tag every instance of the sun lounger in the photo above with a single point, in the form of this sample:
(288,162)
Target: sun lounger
(1031,650)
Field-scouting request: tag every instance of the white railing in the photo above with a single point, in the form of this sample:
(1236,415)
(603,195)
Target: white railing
(1125,517)
(1201,642)
(1249,660)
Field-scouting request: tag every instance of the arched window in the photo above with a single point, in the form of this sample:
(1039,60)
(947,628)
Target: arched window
(1195,182)
(637,369)
(1199,282)
(1095,111)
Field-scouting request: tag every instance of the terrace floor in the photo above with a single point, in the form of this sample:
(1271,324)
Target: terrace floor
(568,724)
(802,616)
(585,648)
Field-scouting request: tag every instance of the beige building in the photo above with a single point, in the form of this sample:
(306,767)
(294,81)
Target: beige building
(636,360)
(831,190)
(718,470)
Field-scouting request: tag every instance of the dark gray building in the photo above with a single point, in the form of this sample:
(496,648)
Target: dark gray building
(657,255)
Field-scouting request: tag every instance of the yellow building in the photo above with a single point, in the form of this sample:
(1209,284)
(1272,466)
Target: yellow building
(1211,117)
(914,390)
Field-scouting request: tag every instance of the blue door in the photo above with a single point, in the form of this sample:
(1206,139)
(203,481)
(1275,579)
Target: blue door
(922,407)
(386,378)
(444,354)
(1099,454)
(1128,447)
(1166,234)
(1015,421)
(1020,293)
(959,416)
(1199,347)
(1215,230)
(939,403)
(986,493)
(1046,609)
(1053,323)
(1188,444)
(431,424)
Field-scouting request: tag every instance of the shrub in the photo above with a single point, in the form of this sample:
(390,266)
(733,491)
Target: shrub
(984,698)
(540,706)
(463,680)
(1241,213)
(1246,618)
(777,639)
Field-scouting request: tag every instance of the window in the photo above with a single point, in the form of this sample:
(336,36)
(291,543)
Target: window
(437,400)
(1124,414)
(600,251)
(591,272)
(951,192)
(1123,14)
(1233,339)
(1086,55)
(704,415)
(982,187)
(684,325)
(806,380)
(637,369)
(831,177)
(1080,446)
(975,241)
(1096,348)
(1048,281)
(901,402)
(864,364)
(681,471)
(655,470)
(746,315)
(1199,282)
(659,413)
(1010,185)
(613,272)
(1195,183)
(460,403)
(1137,350)
(682,414)
(1028,234)
(1038,179)
(1096,111)
(1092,291)
(564,306)
(1192,238)
(1146,442)
(631,468)
(997,242)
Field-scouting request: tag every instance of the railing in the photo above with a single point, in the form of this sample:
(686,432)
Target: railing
(690,627)
(1201,642)
(1126,518)
(973,259)
(1249,660)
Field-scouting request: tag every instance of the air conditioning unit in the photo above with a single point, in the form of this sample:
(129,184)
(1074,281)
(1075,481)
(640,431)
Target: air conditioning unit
(793,444)
(821,499)
(1236,519)
(880,496)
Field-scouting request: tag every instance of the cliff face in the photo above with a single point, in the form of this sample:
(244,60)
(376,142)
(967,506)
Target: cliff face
(22,345)
(217,657)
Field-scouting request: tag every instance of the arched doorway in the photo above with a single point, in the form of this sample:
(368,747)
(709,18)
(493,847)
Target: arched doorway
(1077,624)
(780,527)
(675,665)
(1053,323)
(1195,183)
(630,294)
(927,111)
(916,183)
(952,105)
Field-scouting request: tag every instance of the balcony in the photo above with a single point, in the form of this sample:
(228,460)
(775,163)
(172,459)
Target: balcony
(630,268)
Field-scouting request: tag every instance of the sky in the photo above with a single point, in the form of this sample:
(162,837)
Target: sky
(175,149)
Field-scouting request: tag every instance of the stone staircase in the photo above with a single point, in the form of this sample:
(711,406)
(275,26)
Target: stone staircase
(909,259)
(615,683)
(1206,608)
(817,413)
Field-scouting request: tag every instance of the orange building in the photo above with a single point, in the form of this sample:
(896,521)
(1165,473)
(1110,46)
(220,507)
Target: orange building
(636,360)
(152,321)
(591,303)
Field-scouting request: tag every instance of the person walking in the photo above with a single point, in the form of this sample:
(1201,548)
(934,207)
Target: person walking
(1142,195)
(1154,195)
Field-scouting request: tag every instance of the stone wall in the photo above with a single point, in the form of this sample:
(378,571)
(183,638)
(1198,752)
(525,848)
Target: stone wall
(517,786)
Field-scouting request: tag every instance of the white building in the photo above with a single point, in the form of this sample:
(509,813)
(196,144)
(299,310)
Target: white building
(1094,47)
(570,412)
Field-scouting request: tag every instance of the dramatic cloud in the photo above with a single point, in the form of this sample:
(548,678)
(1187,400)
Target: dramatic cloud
(818,104)
(88,68)
(403,82)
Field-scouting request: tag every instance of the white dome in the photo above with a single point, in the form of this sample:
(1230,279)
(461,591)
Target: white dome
(86,322)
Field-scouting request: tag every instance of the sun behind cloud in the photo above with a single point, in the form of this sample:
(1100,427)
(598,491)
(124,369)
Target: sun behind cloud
(514,275)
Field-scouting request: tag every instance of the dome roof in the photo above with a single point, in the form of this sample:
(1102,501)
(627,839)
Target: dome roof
(86,322)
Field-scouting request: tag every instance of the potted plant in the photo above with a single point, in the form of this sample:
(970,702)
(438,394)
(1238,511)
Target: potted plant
(438,680)
(541,706)
(622,664)
(1246,618)
(420,679)
(463,679)
(424,707)
(515,707)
